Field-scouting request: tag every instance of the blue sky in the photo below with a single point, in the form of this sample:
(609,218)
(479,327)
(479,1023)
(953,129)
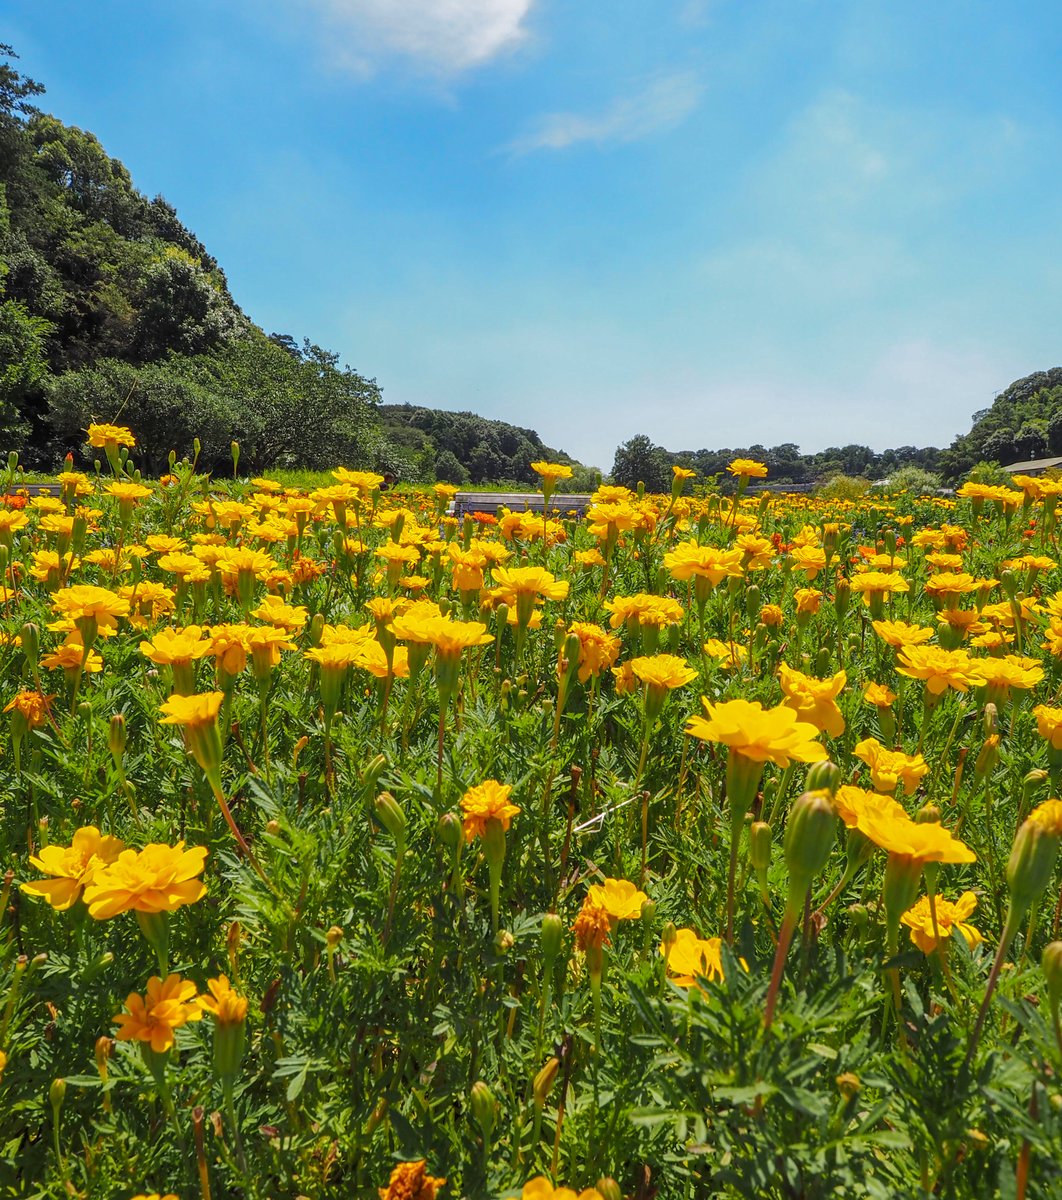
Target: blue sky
(710,221)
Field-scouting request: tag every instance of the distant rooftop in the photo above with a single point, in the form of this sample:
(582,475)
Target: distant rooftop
(1035,467)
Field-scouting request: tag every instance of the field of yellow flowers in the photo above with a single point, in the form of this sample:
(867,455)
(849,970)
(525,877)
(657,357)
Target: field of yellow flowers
(703,846)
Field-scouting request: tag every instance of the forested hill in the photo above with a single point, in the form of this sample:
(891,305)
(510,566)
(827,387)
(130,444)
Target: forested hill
(110,309)
(461,447)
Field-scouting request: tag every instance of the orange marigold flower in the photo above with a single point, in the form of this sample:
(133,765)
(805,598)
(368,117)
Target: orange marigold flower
(152,1018)
(929,928)
(411,1181)
(592,926)
(159,878)
(226,1006)
(484,802)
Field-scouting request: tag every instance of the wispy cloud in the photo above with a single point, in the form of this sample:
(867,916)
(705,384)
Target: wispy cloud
(665,103)
(448,36)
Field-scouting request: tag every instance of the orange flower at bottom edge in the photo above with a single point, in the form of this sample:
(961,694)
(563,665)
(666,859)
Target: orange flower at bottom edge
(411,1181)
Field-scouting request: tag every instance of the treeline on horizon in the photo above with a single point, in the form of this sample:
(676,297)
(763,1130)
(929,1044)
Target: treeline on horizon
(112,310)
(1023,423)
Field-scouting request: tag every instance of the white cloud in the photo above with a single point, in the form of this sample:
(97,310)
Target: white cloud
(448,36)
(665,103)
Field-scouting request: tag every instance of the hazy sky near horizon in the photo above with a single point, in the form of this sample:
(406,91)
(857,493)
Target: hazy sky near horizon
(713,222)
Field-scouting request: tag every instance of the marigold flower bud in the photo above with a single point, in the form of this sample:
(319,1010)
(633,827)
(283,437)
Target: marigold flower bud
(1051,962)
(760,835)
(609,1189)
(117,737)
(484,1108)
(1029,868)
(449,831)
(823,777)
(56,1095)
(390,815)
(544,1081)
(809,836)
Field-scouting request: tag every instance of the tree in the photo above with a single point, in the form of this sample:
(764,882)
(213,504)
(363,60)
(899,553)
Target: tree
(640,461)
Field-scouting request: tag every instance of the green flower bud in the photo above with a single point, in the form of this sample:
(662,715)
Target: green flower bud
(544,1081)
(809,836)
(609,1189)
(760,836)
(1051,963)
(823,777)
(484,1108)
(390,815)
(1029,868)
(752,601)
(449,831)
(56,1095)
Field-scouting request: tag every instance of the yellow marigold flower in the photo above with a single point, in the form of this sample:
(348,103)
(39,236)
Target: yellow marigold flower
(813,699)
(190,568)
(644,609)
(682,473)
(225,1005)
(941,669)
(999,675)
(688,560)
(69,656)
(33,708)
(891,767)
(808,601)
(875,586)
(245,562)
(176,646)
(127,491)
(692,957)
(157,879)
(747,468)
(410,1181)
(809,559)
(946,587)
(852,802)
(598,649)
(758,734)
(530,581)
(663,672)
(927,934)
(771,615)
(878,695)
(626,681)
(447,636)
(104,437)
(192,712)
(918,843)
(71,867)
(370,656)
(84,602)
(485,802)
(589,558)
(551,472)
(265,643)
(1049,725)
(592,926)
(540,1188)
(365,481)
(230,645)
(756,551)
(164,543)
(152,1018)
(729,654)
(619,898)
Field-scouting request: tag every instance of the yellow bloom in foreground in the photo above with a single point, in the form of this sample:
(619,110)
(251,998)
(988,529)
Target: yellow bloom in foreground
(693,957)
(598,649)
(33,708)
(1049,724)
(813,699)
(540,1188)
(551,472)
(949,915)
(181,646)
(484,802)
(159,878)
(192,712)
(747,468)
(890,767)
(899,633)
(83,602)
(940,669)
(71,867)
(879,695)
(619,898)
(920,843)
(850,803)
(226,1006)
(663,671)
(759,734)
(153,1017)
(102,436)
(689,560)
(529,581)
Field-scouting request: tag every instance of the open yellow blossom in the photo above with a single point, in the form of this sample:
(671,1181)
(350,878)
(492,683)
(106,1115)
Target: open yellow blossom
(898,634)
(814,700)
(192,712)
(999,675)
(747,468)
(157,879)
(940,669)
(707,566)
(176,646)
(226,1006)
(1049,816)
(663,672)
(104,437)
(1049,725)
(598,649)
(758,734)
(152,1018)
(540,1188)
(852,802)
(878,695)
(551,472)
(619,898)
(71,867)
(916,842)
(691,958)
(729,655)
(929,929)
(485,802)
(888,768)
